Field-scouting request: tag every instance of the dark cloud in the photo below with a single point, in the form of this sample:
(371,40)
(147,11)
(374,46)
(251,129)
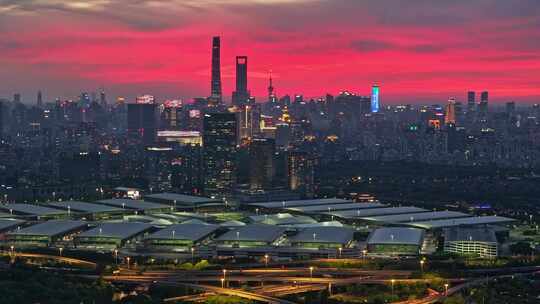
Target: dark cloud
(427,48)
(366,46)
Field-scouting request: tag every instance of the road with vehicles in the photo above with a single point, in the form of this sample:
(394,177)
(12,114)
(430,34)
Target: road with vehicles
(268,284)
(56,258)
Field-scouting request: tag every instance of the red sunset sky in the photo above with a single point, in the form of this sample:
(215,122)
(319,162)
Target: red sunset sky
(417,50)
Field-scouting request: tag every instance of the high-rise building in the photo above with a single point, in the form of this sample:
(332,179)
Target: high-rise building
(471,101)
(301,173)
(103,99)
(39,102)
(215,91)
(375,103)
(219,152)
(16,97)
(484,96)
(483,106)
(2,117)
(450,112)
(241,96)
(142,120)
(171,114)
(246,122)
(262,168)
(510,108)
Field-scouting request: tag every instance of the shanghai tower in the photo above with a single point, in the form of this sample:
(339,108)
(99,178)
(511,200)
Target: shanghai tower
(216,71)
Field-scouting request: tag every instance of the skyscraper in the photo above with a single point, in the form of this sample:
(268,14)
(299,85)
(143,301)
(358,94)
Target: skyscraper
(215,95)
(142,120)
(261,163)
(102,99)
(16,97)
(450,112)
(471,101)
(483,106)
(241,95)
(301,168)
(375,104)
(39,102)
(484,96)
(219,154)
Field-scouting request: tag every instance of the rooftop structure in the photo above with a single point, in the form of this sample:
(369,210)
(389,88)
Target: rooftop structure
(180,237)
(183,201)
(251,235)
(415,217)
(364,213)
(395,241)
(134,205)
(298,203)
(7,224)
(44,234)
(111,235)
(37,211)
(469,221)
(282,219)
(95,210)
(335,207)
(322,237)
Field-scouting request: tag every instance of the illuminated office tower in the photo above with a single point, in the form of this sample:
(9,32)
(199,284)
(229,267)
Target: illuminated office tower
(142,120)
(171,114)
(219,152)
(450,112)
(215,90)
(241,96)
(301,172)
(375,103)
(261,163)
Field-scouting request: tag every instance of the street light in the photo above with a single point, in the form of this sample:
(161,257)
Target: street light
(127,259)
(446,289)
(266,260)
(340,249)
(224,275)
(115,256)
(393,281)
(364,253)
(192,255)
(311,272)
(12,249)
(222,282)
(422,265)
(60,250)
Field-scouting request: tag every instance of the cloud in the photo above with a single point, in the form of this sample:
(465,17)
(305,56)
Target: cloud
(314,45)
(366,46)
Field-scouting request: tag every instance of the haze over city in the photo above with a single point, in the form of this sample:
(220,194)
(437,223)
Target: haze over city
(418,51)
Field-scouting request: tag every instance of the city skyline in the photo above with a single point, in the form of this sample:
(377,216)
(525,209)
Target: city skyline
(425,53)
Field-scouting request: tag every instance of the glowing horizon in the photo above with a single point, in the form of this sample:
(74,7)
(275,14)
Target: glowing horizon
(422,52)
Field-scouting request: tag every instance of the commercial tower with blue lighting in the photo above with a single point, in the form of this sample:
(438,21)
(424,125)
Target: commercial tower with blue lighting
(375,99)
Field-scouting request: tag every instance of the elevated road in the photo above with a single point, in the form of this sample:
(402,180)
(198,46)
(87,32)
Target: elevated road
(71,261)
